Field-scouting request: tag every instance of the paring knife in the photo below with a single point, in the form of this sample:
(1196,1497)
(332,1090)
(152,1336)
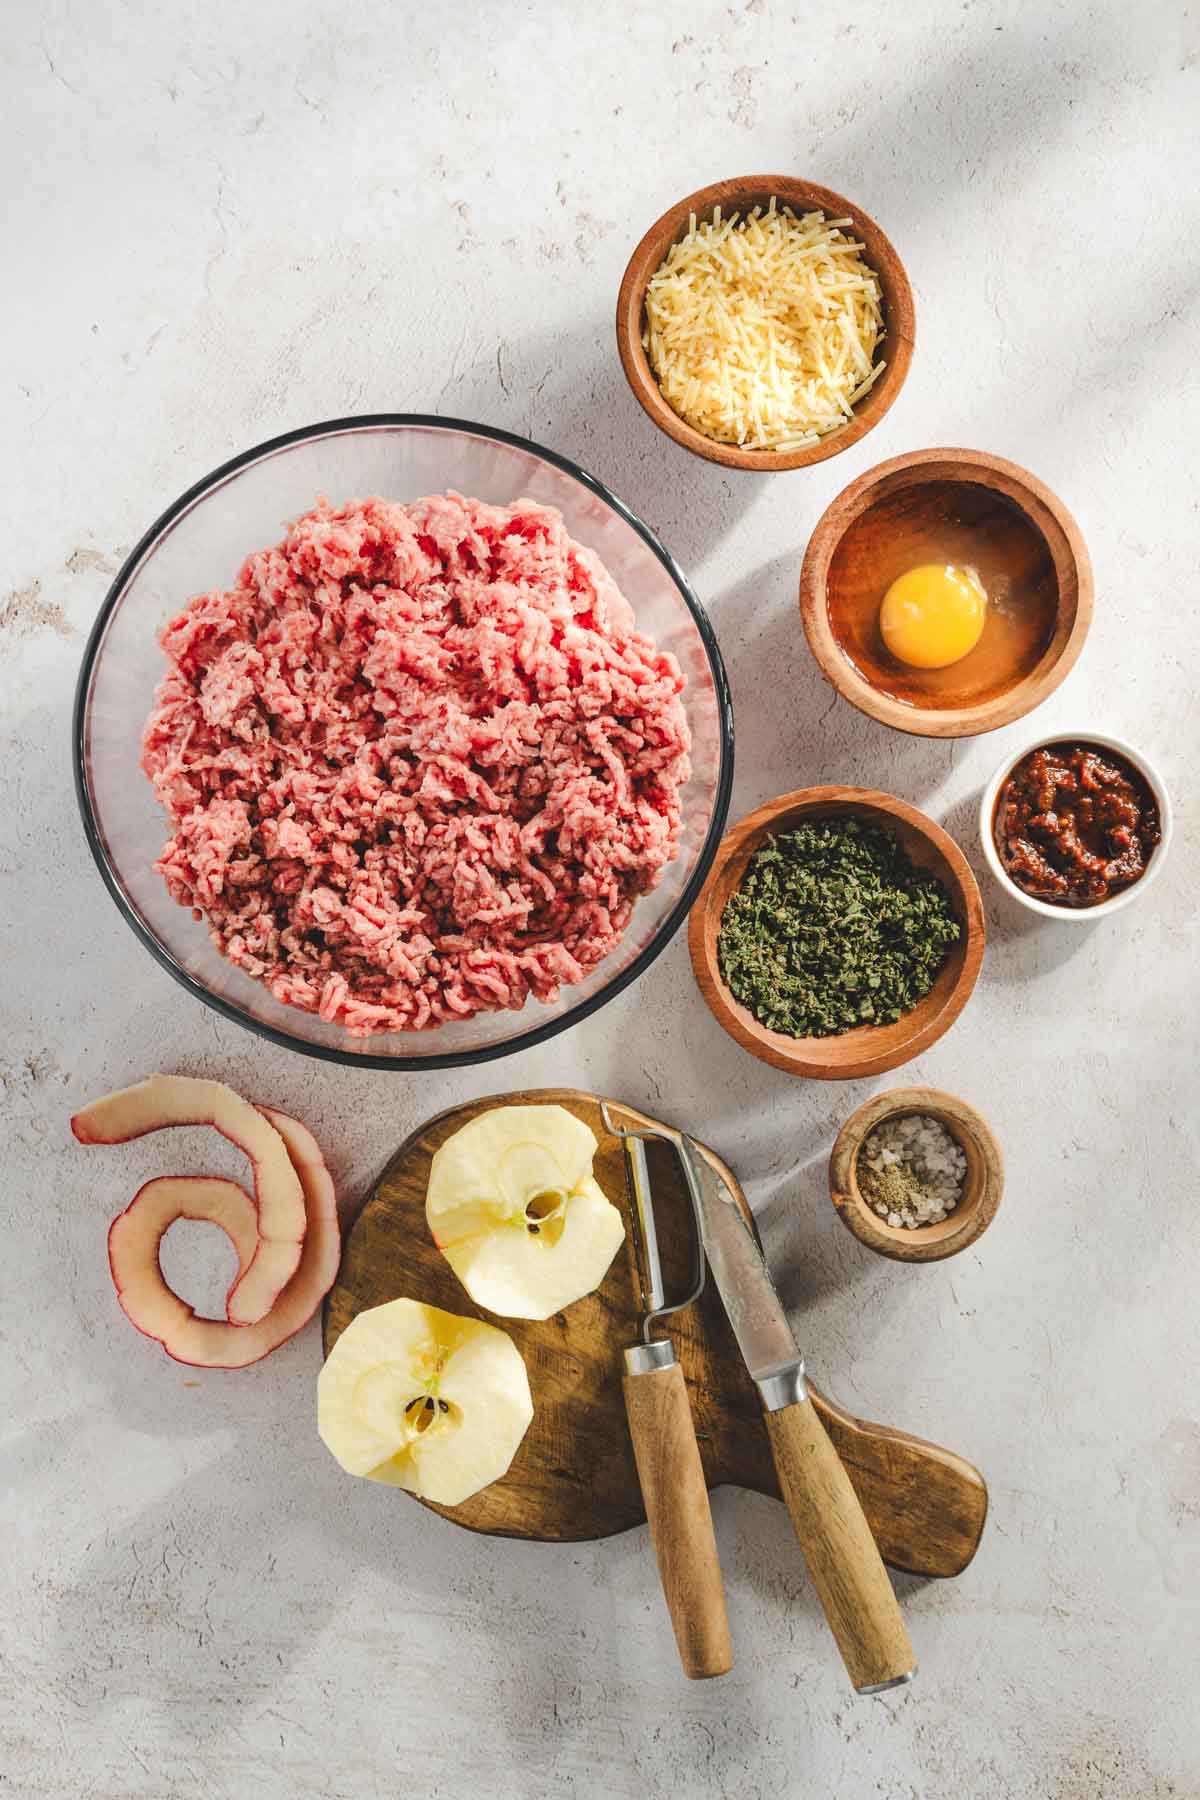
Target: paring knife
(842,1557)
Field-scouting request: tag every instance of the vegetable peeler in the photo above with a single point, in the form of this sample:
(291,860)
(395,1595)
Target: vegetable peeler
(841,1554)
(664,1434)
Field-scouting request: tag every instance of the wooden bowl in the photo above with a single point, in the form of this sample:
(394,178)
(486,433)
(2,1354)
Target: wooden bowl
(740,195)
(981,1191)
(981,509)
(868,1049)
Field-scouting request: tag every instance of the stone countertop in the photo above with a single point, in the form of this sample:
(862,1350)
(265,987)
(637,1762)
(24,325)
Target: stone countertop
(228,220)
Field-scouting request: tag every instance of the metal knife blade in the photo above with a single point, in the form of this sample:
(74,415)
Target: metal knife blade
(765,1338)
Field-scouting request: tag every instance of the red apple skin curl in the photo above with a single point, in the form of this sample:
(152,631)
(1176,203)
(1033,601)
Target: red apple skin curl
(164,1101)
(135,1244)
(160,1314)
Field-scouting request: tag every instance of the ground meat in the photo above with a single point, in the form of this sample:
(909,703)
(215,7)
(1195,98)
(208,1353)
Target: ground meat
(418,761)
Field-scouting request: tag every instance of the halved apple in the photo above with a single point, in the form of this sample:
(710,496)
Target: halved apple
(159,1312)
(424,1399)
(514,1208)
(165,1100)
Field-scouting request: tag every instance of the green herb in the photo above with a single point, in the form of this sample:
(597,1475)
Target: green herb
(833,927)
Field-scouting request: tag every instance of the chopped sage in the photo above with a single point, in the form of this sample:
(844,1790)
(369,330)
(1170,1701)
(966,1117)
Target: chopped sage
(832,927)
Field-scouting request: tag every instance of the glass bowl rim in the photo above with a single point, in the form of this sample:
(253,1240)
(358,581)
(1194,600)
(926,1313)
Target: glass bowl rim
(229,1009)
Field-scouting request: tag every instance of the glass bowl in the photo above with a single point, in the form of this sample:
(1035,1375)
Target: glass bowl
(201,541)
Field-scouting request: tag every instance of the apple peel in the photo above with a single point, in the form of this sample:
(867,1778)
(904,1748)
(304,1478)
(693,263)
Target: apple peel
(164,1101)
(159,1313)
(135,1240)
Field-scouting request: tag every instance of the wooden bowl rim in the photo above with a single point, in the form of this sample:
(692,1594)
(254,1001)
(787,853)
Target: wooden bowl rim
(824,1059)
(924,1243)
(1039,505)
(738,194)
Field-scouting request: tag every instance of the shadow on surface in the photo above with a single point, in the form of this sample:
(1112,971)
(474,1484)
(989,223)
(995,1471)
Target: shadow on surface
(568,391)
(794,729)
(1009,924)
(1025,64)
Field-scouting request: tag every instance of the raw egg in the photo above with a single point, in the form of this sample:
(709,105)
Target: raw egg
(933,615)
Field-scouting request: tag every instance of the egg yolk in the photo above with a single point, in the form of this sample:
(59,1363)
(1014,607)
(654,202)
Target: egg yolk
(933,615)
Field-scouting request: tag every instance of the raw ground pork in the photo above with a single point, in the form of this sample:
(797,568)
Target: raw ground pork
(419,763)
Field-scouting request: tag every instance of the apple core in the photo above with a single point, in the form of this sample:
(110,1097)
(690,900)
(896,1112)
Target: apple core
(515,1209)
(424,1399)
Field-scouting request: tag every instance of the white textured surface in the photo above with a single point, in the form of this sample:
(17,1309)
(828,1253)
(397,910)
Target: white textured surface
(225,220)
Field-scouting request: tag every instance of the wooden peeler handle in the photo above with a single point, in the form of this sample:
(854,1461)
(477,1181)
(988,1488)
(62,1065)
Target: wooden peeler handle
(842,1556)
(677,1509)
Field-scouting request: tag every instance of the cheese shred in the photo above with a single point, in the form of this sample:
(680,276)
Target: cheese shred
(762,331)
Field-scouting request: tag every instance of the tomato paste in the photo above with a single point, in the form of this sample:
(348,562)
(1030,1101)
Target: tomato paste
(1074,824)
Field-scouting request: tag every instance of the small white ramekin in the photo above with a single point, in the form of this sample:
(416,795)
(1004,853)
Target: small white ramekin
(1076,915)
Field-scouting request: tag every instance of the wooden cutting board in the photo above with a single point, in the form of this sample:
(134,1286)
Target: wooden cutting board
(573,1477)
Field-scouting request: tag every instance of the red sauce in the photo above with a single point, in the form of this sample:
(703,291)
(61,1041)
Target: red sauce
(1074,824)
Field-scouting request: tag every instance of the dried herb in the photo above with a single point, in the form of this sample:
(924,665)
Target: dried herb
(833,927)
(895,1190)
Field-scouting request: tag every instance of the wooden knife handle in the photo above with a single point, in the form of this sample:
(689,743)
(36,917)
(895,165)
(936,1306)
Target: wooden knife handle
(677,1509)
(842,1557)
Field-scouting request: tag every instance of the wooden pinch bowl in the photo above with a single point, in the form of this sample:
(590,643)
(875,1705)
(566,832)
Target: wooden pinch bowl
(741,195)
(868,1049)
(982,1188)
(961,506)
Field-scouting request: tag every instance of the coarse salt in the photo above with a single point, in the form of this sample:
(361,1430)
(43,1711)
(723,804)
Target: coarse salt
(911,1170)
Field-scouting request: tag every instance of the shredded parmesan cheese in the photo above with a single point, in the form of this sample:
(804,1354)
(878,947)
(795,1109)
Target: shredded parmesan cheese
(762,331)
